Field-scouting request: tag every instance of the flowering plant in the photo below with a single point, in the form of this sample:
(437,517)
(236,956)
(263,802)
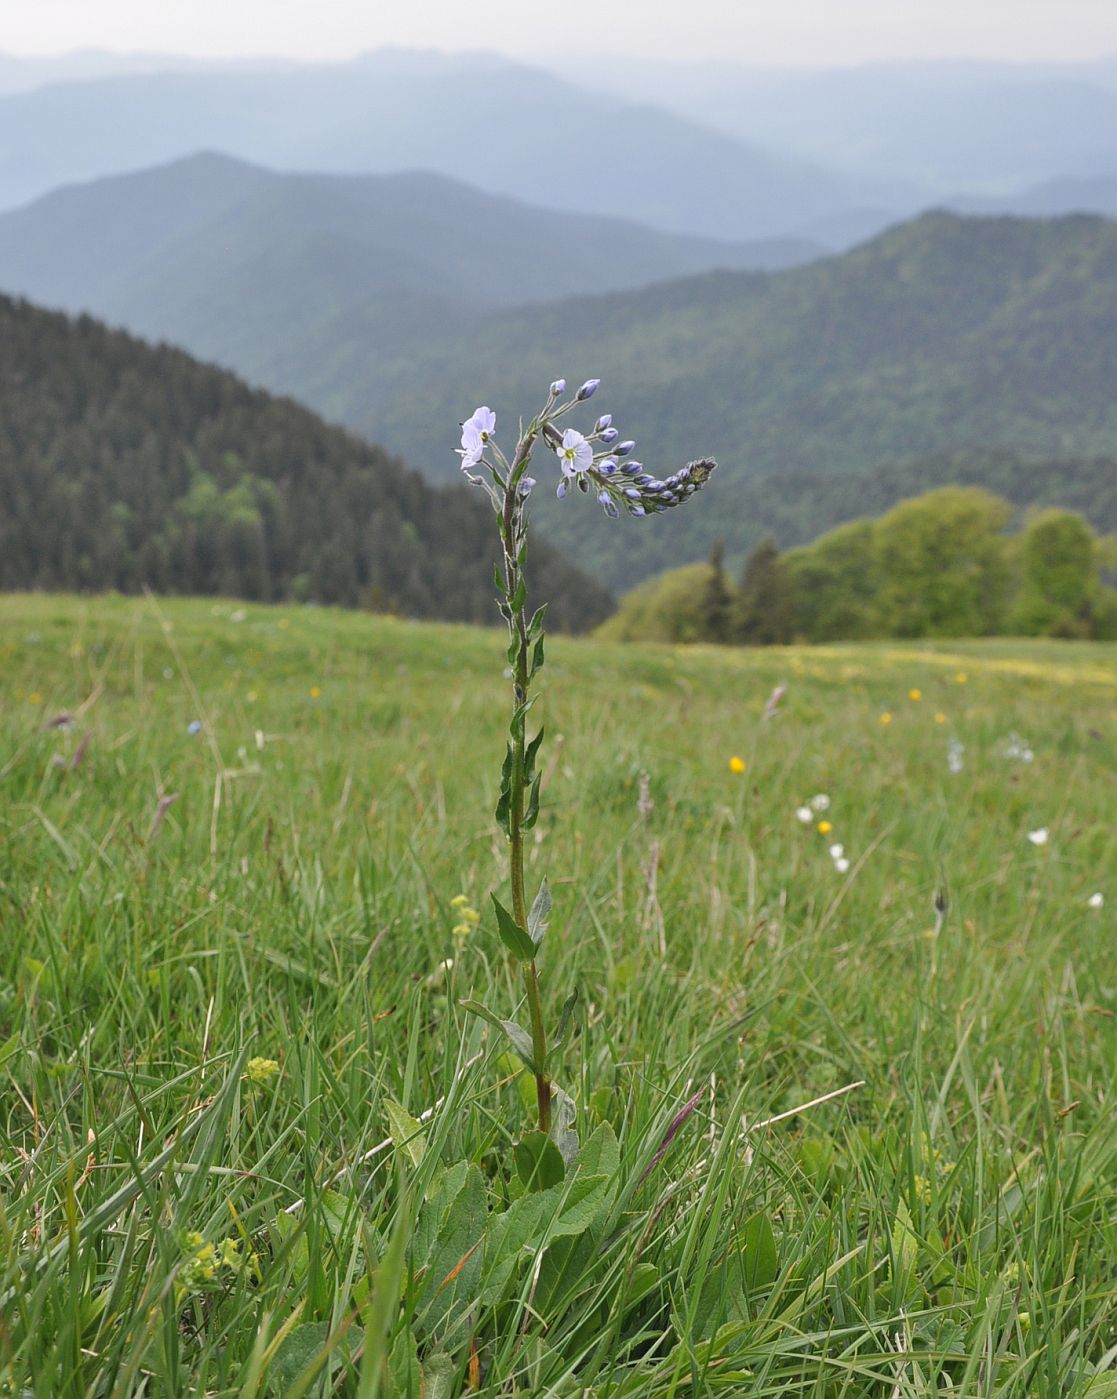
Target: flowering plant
(593,463)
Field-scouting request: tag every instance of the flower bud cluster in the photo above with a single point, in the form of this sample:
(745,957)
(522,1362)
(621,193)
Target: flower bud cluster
(600,465)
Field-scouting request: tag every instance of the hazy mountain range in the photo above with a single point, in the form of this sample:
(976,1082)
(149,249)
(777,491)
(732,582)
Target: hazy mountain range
(717,149)
(502,127)
(395,304)
(396,239)
(951,127)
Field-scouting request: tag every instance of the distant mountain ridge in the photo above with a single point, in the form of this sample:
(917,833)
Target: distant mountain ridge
(232,261)
(502,126)
(123,465)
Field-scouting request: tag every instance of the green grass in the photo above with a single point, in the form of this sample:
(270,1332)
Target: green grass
(947,1227)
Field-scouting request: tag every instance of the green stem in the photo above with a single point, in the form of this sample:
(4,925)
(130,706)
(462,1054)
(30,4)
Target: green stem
(514,533)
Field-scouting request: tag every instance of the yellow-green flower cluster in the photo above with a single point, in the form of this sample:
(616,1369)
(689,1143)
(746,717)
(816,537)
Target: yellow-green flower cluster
(261,1070)
(467,916)
(204,1262)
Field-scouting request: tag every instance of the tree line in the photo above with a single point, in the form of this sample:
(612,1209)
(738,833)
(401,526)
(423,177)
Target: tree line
(938,565)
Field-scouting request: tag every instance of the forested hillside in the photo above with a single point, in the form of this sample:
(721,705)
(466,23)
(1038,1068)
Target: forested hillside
(123,465)
(945,334)
(797,507)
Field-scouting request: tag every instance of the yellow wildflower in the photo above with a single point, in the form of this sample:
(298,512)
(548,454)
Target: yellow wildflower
(201,1266)
(736,765)
(261,1070)
(34,697)
(961,678)
(459,901)
(940,718)
(230,1253)
(886,718)
(915,695)
(824,828)
(315,692)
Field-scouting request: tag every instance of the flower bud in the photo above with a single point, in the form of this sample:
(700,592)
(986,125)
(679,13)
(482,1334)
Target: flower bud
(606,420)
(605,500)
(561,491)
(558,388)
(588,389)
(526,485)
(609,434)
(622,449)
(607,466)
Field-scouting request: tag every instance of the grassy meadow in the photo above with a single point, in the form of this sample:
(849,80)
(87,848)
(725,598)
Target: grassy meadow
(226,956)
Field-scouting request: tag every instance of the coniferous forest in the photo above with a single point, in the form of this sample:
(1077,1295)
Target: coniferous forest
(124,465)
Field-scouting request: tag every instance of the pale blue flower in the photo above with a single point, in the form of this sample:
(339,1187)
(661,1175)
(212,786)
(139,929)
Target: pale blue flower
(575,455)
(558,388)
(476,432)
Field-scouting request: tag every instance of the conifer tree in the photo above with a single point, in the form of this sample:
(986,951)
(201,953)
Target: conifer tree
(764,613)
(717,604)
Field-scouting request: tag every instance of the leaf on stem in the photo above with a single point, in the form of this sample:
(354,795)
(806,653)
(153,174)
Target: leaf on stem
(518,1037)
(540,913)
(516,939)
(532,805)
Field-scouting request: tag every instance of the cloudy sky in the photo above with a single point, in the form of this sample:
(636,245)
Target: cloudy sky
(799,32)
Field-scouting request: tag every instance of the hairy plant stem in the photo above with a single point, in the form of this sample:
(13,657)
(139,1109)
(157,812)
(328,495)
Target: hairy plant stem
(513,534)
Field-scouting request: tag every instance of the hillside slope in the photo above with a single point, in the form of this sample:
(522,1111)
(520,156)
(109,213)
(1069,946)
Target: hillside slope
(122,466)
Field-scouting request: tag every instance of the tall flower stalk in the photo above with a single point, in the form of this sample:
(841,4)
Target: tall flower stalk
(594,463)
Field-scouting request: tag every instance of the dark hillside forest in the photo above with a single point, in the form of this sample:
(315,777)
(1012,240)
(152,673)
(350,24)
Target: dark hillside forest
(124,465)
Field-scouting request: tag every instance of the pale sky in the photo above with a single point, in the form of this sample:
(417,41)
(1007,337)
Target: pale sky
(778,32)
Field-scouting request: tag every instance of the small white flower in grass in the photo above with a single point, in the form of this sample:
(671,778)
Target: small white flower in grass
(837,851)
(575,454)
(476,431)
(1096,901)
(841,865)
(1038,837)
(820,803)
(804,815)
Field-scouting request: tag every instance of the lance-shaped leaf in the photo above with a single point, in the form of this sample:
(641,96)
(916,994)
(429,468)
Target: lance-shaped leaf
(516,939)
(407,1136)
(535,626)
(564,1019)
(539,915)
(532,805)
(531,754)
(518,1037)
